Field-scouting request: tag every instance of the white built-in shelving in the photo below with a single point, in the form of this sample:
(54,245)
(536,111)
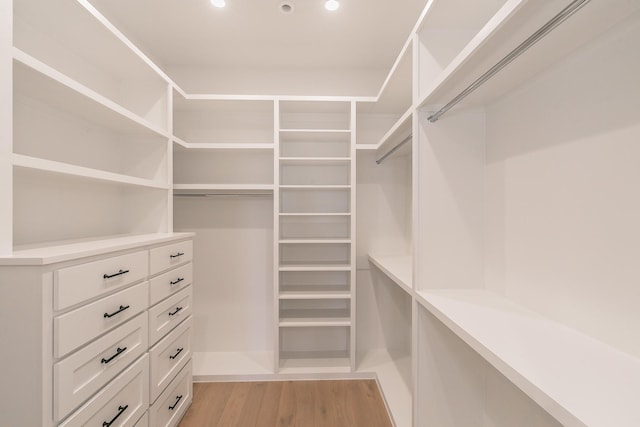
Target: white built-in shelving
(314,268)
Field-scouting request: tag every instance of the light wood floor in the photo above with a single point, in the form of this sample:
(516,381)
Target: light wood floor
(348,403)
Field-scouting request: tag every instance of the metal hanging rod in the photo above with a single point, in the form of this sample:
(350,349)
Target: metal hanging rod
(390,152)
(564,14)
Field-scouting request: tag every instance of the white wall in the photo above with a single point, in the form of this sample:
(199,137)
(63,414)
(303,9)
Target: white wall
(233,271)
(563,191)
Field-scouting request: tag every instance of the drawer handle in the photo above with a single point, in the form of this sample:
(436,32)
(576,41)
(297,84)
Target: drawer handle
(172,407)
(121,410)
(175,312)
(120,310)
(119,273)
(119,351)
(177,353)
(178,280)
(179,254)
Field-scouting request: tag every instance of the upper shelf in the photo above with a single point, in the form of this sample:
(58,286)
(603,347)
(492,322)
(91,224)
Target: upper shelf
(397,268)
(514,22)
(37,80)
(577,379)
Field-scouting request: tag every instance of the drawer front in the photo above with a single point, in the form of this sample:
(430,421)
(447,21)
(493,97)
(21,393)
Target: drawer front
(169,356)
(121,403)
(144,421)
(169,256)
(174,401)
(82,282)
(76,327)
(169,283)
(78,376)
(167,314)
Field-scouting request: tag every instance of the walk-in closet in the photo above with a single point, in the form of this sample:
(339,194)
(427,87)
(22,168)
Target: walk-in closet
(441,196)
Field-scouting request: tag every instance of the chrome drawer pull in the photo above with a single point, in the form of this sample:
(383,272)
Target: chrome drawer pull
(175,312)
(178,280)
(119,273)
(121,410)
(172,407)
(177,353)
(179,254)
(120,310)
(119,351)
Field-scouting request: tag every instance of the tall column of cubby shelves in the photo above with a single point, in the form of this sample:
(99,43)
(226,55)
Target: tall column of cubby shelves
(314,226)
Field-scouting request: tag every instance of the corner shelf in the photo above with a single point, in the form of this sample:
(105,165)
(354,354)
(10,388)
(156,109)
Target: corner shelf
(203,189)
(397,268)
(561,369)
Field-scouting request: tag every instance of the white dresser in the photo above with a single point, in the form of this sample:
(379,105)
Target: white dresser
(98,333)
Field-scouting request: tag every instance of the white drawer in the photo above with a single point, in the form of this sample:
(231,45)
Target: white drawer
(170,282)
(174,401)
(121,403)
(169,356)
(78,326)
(167,314)
(78,376)
(169,256)
(82,282)
(144,421)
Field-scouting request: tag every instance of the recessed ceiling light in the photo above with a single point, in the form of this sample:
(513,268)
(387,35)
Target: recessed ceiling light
(332,5)
(219,3)
(286,7)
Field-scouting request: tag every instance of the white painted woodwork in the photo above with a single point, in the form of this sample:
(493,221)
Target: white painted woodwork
(73,285)
(167,314)
(168,256)
(128,394)
(6,126)
(144,421)
(170,282)
(168,357)
(79,376)
(174,401)
(78,326)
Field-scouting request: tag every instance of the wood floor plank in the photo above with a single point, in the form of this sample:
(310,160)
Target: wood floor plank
(329,403)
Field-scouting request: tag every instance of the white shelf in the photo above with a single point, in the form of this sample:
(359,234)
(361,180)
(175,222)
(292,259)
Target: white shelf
(19,160)
(314,317)
(314,160)
(316,131)
(222,188)
(314,363)
(215,146)
(308,292)
(397,268)
(522,19)
(43,82)
(327,240)
(315,214)
(398,132)
(366,147)
(577,379)
(54,252)
(315,187)
(208,366)
(317,267)
(391,372)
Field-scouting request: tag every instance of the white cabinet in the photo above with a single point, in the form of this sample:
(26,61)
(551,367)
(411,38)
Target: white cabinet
(93,355)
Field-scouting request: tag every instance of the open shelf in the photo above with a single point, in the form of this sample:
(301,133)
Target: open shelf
(220,146)
(397,268)
(101,58)
(212,366)
(314,292)
(314,363)
(562,370)
(315,267)
(400,131)
(36,80)
(203,189)
(312,317)
(513,23)
(50,166)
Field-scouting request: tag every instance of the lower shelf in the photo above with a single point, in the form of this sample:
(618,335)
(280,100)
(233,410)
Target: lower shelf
(208,366)
(314,362)
(394,376)
(575,378)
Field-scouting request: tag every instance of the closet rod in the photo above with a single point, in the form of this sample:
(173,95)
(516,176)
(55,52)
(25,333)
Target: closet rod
(572,8)
(390,152)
